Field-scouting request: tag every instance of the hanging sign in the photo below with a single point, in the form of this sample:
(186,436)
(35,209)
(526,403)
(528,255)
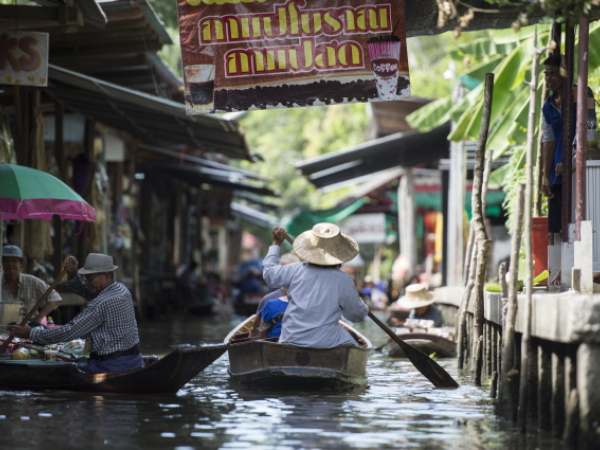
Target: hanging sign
(365,228)
(241,55)
(24,58)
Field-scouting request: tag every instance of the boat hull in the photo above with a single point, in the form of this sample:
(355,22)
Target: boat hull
(165,375)
(428,344)
(270,363)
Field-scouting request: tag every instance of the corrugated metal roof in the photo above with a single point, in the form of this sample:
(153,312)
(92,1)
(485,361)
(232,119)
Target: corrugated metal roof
(405,149)
(150,118)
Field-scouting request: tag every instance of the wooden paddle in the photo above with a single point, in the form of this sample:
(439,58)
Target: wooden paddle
(424,364)
(35,308)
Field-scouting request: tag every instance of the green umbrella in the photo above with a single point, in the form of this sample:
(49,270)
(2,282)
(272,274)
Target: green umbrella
(27,193)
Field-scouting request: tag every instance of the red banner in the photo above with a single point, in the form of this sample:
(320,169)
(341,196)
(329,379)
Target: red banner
(240,55)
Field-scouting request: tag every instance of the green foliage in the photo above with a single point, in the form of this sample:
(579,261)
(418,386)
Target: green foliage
(560,10)
(285,136)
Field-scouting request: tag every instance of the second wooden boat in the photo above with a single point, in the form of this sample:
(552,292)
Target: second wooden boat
(268,362)
(438,341)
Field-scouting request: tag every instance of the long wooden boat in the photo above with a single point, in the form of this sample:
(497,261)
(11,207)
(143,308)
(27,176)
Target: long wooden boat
(164,375)
(432,341)
(268,362)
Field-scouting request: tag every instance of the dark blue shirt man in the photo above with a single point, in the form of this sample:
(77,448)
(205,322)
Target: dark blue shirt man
(552,137)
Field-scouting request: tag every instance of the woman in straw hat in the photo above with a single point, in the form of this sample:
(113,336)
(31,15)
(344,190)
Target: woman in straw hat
(319,293)
(420,301)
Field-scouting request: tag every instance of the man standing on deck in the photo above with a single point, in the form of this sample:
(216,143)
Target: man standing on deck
(319,293)
(107,323)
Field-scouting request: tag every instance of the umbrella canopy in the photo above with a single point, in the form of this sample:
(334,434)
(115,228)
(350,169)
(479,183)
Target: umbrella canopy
(27,193)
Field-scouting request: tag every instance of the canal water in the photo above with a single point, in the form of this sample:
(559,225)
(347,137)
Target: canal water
(398,409)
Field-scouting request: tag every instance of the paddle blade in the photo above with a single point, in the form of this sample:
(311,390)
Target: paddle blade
(423,363)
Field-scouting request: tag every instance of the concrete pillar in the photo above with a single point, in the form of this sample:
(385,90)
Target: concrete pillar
(554,256)
(567,258)
(588,383)
(584,258)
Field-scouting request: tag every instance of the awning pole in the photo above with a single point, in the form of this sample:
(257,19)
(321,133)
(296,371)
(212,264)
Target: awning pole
(582,106)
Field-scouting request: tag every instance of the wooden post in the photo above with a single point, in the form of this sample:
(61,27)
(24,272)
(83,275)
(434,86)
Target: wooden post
(59,155)
(558,394)
(567,133)
(483,242)
(527,231)
(544,387)
(462,317)
(506,402)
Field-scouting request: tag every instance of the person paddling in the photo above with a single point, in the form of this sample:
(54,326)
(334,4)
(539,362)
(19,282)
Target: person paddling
(108,322)
(318,292)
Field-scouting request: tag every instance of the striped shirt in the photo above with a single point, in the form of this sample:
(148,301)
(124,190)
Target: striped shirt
(317,297)
(107,323)
(30,291)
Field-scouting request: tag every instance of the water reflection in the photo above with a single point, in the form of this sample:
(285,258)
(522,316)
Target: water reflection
(399,409)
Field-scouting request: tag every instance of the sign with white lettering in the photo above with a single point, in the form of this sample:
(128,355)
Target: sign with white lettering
(24,58)
(255,54)
(365,228)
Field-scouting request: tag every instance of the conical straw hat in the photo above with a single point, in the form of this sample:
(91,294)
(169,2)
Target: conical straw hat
(325,245)
(416,296)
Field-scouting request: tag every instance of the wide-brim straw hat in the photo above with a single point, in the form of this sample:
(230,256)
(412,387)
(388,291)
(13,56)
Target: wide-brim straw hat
(98,263)
(325,245)
(416,296)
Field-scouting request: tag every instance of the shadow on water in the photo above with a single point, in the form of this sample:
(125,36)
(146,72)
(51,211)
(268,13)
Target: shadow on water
(398,409)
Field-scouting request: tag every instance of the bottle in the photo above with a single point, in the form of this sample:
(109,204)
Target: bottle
(50,321)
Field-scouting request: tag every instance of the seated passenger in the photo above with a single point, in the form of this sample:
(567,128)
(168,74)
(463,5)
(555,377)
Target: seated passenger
(272,315)
(420,301)
(286,258)
(319,293)
(20,287)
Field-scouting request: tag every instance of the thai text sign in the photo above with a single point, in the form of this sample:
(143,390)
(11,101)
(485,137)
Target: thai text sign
(255,54)
(24,58)
(365,228)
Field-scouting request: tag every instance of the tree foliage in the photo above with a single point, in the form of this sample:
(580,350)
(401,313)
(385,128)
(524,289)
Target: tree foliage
(283,137)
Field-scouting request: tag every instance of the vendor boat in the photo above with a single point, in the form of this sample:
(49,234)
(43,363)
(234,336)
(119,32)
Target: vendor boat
(270,363)
(159,375)
(434,340)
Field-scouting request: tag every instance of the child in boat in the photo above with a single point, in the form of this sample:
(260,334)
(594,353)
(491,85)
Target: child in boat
(272,314)
(420,301)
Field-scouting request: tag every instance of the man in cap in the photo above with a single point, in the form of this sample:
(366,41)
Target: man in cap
(107,323)
(20,287)
(319,293)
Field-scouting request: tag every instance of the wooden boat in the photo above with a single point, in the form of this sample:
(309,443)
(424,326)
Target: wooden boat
(268,362)
(439,341)
(164,375)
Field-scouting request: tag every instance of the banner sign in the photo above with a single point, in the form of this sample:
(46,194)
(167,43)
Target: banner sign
(24,58)
(241,55)
(365,228)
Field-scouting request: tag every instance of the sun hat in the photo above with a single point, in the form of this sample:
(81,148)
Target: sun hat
(12,251)
(98,263)
(325,245)
(416,296)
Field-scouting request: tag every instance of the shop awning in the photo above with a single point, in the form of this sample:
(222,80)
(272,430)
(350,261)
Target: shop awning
(404,149)
(197,176)
(253,216)
(149,118)
(157,154)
